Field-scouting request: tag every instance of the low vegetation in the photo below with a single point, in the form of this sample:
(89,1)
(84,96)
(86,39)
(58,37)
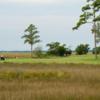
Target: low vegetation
(57,49)
(97,49)
(82,49)
(78,59)
(49,82)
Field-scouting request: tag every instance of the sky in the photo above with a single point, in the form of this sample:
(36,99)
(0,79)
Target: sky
(54,20)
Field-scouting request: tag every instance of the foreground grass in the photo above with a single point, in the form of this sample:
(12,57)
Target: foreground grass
(49,81)
(83,59)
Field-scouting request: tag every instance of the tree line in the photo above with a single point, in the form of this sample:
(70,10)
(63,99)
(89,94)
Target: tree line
(90,14)
(54,48)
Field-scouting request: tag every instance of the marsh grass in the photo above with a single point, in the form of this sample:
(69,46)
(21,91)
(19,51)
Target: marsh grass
(47,90)
(49,82)
(9,75)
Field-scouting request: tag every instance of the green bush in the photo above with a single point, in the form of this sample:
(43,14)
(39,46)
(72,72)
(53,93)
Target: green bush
(55,48)
(97,50)
(68,52)
(82,49)
(61,50)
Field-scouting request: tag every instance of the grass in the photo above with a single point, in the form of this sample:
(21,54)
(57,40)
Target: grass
(83,59)
(16,54)
(54,78)
(49,81)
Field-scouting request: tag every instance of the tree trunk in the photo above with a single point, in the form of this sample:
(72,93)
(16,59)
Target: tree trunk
(31,51)
(95,46)
(94,28)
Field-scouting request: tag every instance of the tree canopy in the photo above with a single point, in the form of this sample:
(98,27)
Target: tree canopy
(31,37)
(91,14)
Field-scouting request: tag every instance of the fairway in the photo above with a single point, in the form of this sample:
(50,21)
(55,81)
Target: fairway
(77,59)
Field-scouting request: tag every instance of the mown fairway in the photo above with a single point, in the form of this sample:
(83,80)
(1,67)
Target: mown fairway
(49,82)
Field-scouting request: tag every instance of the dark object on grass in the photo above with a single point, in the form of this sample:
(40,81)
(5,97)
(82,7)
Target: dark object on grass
(2,58)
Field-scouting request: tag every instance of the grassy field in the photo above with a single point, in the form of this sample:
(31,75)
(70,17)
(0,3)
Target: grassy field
(52,78)
(24,57)
(83,59)
(49,82)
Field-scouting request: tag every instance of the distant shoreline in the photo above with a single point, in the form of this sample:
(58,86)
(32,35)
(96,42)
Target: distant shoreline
(14,51)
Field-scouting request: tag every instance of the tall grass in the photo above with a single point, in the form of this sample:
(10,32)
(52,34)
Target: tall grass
(49,82)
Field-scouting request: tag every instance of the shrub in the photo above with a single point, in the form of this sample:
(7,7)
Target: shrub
(55,48)
(61,50)
(82,49)
(68,52)
(98,50)
(38,51)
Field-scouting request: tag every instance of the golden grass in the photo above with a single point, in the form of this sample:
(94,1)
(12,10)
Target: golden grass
(49,82)
(16,55)
(48,90)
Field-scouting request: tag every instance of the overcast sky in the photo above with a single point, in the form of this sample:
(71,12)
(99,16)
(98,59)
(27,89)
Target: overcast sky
(53,18)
